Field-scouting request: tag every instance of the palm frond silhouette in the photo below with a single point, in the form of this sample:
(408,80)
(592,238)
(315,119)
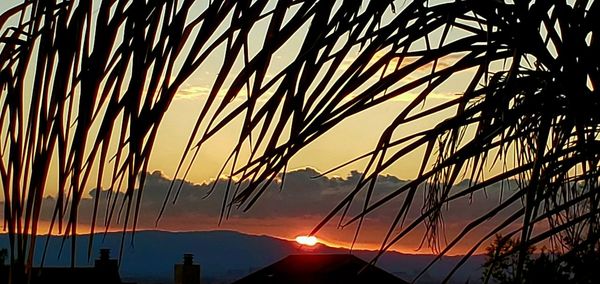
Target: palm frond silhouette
(85,86)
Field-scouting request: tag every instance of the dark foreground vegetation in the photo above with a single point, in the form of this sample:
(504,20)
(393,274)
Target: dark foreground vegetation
(85,86)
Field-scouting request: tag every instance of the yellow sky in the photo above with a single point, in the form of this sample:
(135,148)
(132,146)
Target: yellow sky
(346,141)
(349,139)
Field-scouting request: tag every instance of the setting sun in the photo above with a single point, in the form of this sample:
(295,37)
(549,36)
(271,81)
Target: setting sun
(307,240)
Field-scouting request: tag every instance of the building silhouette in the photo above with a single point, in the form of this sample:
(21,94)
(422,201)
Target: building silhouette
(321,269)
(105,271)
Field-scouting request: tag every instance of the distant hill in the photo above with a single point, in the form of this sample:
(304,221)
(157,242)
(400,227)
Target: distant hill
(225,256)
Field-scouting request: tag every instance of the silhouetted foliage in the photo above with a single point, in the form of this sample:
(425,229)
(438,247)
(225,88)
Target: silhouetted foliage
(543,266)
(85,86)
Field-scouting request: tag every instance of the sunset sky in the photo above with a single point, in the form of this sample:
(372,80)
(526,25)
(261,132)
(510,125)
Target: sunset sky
(296,209)
(304,200)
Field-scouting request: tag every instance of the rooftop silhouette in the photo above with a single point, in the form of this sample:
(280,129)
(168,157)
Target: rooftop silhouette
(105,271)
(321,269)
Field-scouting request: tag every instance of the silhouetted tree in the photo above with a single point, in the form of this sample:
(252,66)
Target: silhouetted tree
(80,76)
(543,266)
(501,264)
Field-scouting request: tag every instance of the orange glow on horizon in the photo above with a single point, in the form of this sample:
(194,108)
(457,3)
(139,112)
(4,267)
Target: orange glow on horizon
(334,239)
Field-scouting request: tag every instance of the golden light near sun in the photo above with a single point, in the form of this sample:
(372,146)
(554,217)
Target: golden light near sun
(307,240)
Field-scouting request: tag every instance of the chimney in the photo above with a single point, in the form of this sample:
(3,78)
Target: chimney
(105,262)
(188,272)
(106,269)
(104,254)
